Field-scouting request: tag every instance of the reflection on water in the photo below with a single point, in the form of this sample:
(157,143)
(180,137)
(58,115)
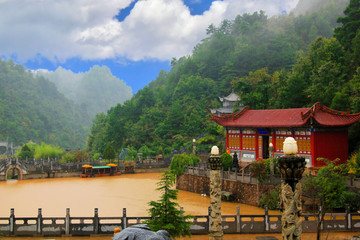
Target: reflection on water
(109,194)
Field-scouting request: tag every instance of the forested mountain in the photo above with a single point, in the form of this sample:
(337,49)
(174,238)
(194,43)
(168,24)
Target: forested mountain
(279,62)
(94,91)
(31,108)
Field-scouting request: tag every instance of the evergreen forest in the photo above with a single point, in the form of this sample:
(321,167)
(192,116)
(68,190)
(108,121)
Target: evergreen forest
(286,61)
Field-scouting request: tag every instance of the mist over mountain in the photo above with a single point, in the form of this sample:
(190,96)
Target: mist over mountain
(32,109)
(309,6)
(94,91)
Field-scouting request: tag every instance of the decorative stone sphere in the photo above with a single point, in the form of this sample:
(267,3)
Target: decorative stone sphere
(290,146)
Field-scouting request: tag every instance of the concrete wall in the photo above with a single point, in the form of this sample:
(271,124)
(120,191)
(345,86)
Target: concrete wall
(240,192)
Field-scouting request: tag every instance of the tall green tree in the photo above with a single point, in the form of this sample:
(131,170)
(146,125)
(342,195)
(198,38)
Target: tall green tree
(109,152)
(96,138)
(165,213)
(350,24)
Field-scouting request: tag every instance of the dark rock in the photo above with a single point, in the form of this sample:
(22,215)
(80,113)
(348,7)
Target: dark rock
(141,232)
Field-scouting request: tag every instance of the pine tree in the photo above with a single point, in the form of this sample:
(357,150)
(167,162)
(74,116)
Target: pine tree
(109,152)
(165,213)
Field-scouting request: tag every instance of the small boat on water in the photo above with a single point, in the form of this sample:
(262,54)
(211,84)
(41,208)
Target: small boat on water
(99,171)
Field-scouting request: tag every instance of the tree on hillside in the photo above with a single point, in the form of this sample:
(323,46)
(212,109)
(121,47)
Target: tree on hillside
(26,152)
(350,24)
(165,213)
(109,152)
(256,89)
(96,138)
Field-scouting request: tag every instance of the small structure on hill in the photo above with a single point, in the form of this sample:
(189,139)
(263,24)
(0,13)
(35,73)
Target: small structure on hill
(229,103)
(320,132)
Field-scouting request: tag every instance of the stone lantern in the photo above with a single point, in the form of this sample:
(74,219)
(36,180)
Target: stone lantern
(291,168)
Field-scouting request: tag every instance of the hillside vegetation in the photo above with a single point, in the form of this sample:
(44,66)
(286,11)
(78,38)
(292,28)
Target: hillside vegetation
(31,108)
(284,61)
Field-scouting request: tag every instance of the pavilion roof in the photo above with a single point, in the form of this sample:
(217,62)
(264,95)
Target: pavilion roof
(295,117)
(232,97)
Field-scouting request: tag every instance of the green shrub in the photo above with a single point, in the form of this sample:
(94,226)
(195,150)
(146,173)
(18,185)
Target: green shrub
(68,157)
(48,151)
(146,152)
(271,199)
(267,163)
(180,161)
(96,156)
(260,171)
(354,164)
(226,161)
(25,152)
(352,199)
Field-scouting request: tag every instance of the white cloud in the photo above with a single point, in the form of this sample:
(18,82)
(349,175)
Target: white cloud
(155,29)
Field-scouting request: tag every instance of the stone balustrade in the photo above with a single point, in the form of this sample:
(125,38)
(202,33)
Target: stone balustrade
(232,224)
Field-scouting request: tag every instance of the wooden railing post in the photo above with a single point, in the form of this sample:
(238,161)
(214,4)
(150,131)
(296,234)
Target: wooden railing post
(12,222)
(39,222)
(96,221)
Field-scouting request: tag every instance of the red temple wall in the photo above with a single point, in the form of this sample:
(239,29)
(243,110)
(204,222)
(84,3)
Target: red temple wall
(330,145)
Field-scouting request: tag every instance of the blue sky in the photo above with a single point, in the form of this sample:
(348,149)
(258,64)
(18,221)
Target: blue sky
(134,38)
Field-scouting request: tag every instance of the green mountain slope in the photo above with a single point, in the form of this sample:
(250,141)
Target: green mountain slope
(270,62)
(31,108)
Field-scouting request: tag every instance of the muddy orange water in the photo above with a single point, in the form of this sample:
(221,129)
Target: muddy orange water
(109,194)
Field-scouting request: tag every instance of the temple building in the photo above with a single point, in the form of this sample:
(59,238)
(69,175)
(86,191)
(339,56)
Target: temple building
(320,132)
(229,103)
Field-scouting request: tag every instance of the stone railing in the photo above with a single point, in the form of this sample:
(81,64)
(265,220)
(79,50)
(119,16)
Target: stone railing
(241,176)
(86,226)
(244,176)
(152,163)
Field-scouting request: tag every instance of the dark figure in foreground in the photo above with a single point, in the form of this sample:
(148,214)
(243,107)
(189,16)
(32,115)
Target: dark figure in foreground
(141,232)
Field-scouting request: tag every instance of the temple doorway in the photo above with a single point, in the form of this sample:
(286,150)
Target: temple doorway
(265,147)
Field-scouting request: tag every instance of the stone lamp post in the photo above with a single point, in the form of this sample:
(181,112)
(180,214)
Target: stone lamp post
(291,168)
(216,232)
(271,152)
(194,146)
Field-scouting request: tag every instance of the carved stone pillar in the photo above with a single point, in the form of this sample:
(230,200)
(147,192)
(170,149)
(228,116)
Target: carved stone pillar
(291,168)
(216,231)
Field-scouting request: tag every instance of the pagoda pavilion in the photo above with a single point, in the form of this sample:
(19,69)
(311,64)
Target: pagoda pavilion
(320,132)
(229,103)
